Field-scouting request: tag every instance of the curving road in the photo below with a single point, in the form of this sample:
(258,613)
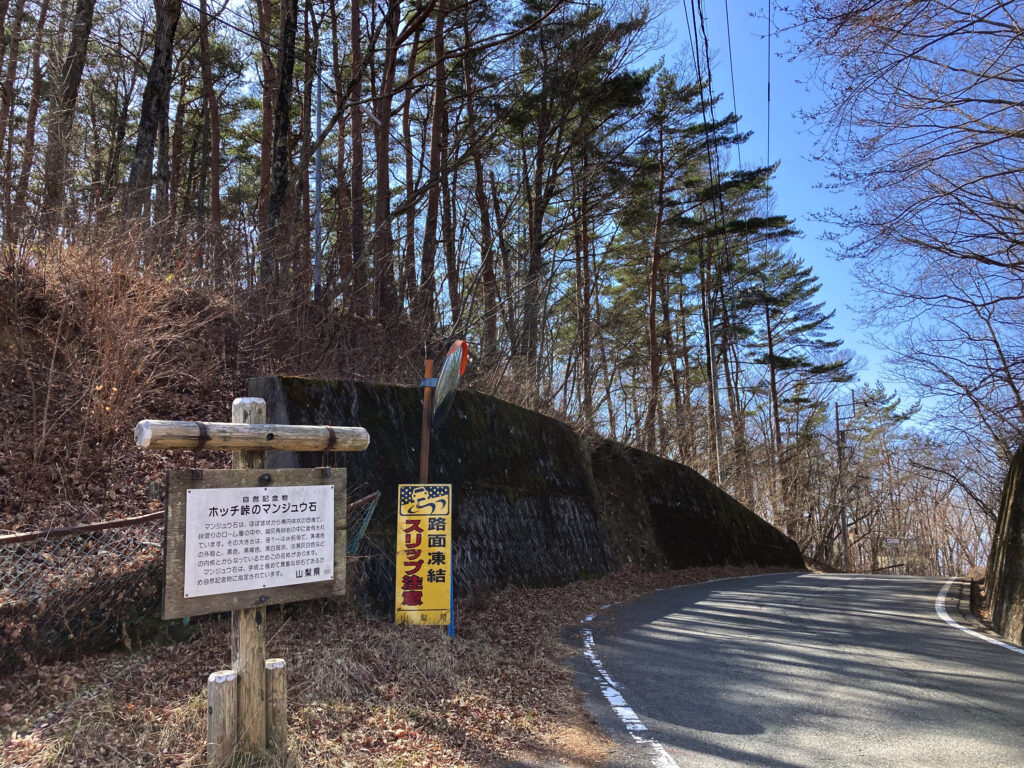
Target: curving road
(794,670)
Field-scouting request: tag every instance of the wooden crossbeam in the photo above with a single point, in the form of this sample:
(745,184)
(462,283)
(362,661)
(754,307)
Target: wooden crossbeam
(153,434)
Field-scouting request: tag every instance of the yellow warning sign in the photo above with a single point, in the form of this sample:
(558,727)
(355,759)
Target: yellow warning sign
(423,580)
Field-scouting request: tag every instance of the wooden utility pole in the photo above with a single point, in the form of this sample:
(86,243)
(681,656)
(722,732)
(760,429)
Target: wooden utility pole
(840,446)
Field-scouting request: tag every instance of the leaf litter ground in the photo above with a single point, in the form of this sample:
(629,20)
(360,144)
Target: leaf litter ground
(362,692)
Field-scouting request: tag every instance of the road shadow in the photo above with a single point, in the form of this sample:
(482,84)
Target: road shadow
(712,669)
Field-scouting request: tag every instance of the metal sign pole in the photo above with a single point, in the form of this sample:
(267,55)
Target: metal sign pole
(428,413)
(428,417)
(446,382)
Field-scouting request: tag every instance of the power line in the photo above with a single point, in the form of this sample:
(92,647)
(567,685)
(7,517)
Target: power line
(732,77)
(691,37)
(768,118)
(714,177)
(768,130)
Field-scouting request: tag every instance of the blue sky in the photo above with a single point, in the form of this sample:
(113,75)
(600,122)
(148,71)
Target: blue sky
(796,183)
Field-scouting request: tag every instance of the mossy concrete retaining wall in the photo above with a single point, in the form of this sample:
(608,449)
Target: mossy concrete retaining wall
(1005,579)
(671,515)
(534,504)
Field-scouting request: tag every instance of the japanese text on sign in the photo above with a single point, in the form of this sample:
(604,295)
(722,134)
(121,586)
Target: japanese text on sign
(239,539)
(424,552)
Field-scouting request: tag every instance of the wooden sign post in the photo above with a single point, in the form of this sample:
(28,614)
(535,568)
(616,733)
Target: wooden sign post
(248,625)
(243,539)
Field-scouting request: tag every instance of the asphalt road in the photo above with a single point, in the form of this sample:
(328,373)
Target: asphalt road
(801,670)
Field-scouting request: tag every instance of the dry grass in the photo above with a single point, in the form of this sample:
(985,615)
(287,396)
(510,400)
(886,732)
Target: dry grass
(91,341)
(361,691)
(94,338)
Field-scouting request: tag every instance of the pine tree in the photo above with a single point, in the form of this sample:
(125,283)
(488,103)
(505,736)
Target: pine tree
(790,342)
(573,83)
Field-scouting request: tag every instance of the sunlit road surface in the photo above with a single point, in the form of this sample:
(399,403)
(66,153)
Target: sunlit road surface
(802,670)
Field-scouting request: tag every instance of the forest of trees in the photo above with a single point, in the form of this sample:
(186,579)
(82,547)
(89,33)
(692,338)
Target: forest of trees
(521,175)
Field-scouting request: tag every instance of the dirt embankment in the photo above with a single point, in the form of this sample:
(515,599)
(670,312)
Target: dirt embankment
(92,341)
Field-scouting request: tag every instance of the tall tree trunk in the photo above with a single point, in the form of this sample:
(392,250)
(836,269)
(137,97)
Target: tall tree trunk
(162,208)
(707,317)
(731,372)
(539,184)
(535,206)
(4,5)
(343,202)
(608,377)
(425,295)
(488,279)
(155,100)
(687,442)
(584,294)
(777,468)
(488,276)
(511,330)
(773,383)
(360,278)
(213,110)
(448,231)
(668,342)
(264,19)
(190,168)
(96,153)
(61,116)
(7,91)
(302,240)
(203,147)
(382,241)
(587,326)
(177,147)
(407,284)
(115,150)
(6,105)
(13,224)
(654,282)
(280,155)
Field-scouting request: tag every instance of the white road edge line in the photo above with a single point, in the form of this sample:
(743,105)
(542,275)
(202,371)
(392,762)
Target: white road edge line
(940,609)
(660,757)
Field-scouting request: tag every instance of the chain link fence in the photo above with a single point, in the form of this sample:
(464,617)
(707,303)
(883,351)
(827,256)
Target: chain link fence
(76,588)
(95,586)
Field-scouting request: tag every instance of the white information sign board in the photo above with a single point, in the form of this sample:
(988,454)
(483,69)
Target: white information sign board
(239,539)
